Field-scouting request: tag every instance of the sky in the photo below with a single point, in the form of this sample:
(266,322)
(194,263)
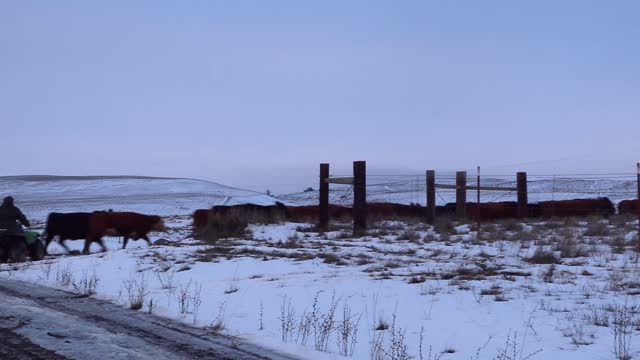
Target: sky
(256,94)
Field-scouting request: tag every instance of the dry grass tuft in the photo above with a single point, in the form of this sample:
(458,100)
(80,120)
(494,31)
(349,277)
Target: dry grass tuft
(597,227)
(542,256)
(231,225)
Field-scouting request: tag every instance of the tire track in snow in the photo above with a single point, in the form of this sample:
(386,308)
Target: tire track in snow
(16,347)
(85,328)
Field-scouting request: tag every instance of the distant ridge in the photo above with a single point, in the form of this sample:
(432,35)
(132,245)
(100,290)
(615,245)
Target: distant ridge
(50,178)
(89,177)
(39,195)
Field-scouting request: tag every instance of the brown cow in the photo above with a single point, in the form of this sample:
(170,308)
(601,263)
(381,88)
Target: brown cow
(127,224)
(340,212)
(577,207)
(200,219)
(628,207)
(249,212)
(489,211)
(492,210)
(311,213)
(412,210)
(305,213)
(448,210)
(381,210)
(384,210)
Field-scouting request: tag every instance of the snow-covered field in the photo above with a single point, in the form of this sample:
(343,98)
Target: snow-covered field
(542,290)
(440,289)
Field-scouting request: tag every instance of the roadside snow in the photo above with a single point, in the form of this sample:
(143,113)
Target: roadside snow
(453,295)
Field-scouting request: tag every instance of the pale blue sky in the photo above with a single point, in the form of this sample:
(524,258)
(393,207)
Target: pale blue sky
(257,93)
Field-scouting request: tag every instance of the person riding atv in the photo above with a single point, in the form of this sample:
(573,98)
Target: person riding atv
(9,214)
(15,242)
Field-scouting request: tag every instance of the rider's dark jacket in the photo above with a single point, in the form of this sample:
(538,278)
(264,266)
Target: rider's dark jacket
(9,214)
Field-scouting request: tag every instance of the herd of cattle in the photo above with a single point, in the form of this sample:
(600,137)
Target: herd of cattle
(485,211)
(92,226)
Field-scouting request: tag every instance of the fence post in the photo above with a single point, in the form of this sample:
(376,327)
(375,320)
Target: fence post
(359,197)
(478,204)
(461,194)
(324,197)
(431,196)
(523,199)
(553,197)
(638,202)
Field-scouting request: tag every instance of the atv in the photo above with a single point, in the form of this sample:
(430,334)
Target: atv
(16,246)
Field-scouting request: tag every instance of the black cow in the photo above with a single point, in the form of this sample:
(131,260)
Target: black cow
(66,226)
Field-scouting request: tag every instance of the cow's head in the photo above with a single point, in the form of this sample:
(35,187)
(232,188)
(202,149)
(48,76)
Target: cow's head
(157,224)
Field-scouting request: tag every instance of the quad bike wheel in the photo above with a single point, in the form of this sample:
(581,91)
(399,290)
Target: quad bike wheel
(16,248)
(18,251)
(36,250)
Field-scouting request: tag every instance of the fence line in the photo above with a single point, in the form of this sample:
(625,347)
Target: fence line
(443,185)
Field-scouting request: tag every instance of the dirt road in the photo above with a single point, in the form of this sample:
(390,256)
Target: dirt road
(43,323)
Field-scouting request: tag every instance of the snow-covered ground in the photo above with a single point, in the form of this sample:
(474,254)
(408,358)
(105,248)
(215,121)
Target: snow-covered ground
(440,289)
(434,292)
(42,323)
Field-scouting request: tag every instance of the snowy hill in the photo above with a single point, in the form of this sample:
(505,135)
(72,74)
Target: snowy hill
(40,195)
(37,196)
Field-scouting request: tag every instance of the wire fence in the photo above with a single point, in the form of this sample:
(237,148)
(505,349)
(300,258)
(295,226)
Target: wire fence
(411,188)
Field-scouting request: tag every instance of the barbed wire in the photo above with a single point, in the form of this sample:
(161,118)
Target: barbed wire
(440,175)
(345,196)
(412,187)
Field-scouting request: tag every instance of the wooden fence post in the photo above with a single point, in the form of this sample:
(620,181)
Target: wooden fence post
(461,194)
(359,197)
(523,199)
(478,204)
(431,196)
(638,202)
(324,197)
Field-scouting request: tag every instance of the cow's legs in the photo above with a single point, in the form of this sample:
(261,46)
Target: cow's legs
(61,241)
(87,244)
(147,239)
(47,241)
(89,240)
(64,245)
(124,242)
